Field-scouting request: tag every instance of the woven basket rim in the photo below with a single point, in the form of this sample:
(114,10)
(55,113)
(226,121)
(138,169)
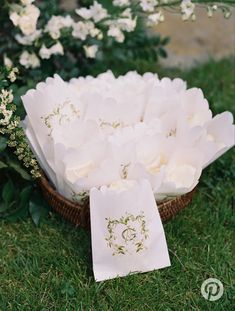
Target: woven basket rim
(78,213)
(47,184)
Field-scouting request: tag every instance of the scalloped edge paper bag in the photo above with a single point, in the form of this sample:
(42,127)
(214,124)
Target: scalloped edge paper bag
(126,231)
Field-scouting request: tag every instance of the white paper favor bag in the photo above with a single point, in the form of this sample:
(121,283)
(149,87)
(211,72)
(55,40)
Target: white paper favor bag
(127,232)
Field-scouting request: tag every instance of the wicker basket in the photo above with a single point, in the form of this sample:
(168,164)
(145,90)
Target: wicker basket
(80,215)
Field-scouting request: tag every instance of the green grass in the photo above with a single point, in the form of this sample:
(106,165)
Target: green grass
(50,268)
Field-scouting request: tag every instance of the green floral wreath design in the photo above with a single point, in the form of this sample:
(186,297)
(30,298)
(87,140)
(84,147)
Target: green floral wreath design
(60,115)
(129,234)
(81,197)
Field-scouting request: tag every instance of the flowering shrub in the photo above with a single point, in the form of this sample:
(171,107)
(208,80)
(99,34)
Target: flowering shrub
(39,35)
(40,38)
(16,185)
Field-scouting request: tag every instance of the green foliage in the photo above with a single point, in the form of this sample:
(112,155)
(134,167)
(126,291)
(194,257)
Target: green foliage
(139,48)
(37,207)
(19,195)
(3,143)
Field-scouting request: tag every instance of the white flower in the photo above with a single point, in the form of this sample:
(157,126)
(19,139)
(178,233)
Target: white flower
(95,12)
(148,5)
(14,17)
(44,52)
(94,32)
(80,30)
(56,49)
(29,60)
(124,23)
(6,97)
(84,13)
(127,24)
(211,9)
(26,2)
(6,115)
(28,40)
(187,9)
(154,19)
(121,2)
(127,13)
(100,36)
(26,19)
(98,12)
(7,61)
(56,23)
(91,50)
(115,32)
(13,74)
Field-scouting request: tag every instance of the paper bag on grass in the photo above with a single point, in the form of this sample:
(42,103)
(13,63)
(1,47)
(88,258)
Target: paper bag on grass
(127,232)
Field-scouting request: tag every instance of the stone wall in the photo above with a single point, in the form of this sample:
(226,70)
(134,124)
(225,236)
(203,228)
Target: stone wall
(193,42)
